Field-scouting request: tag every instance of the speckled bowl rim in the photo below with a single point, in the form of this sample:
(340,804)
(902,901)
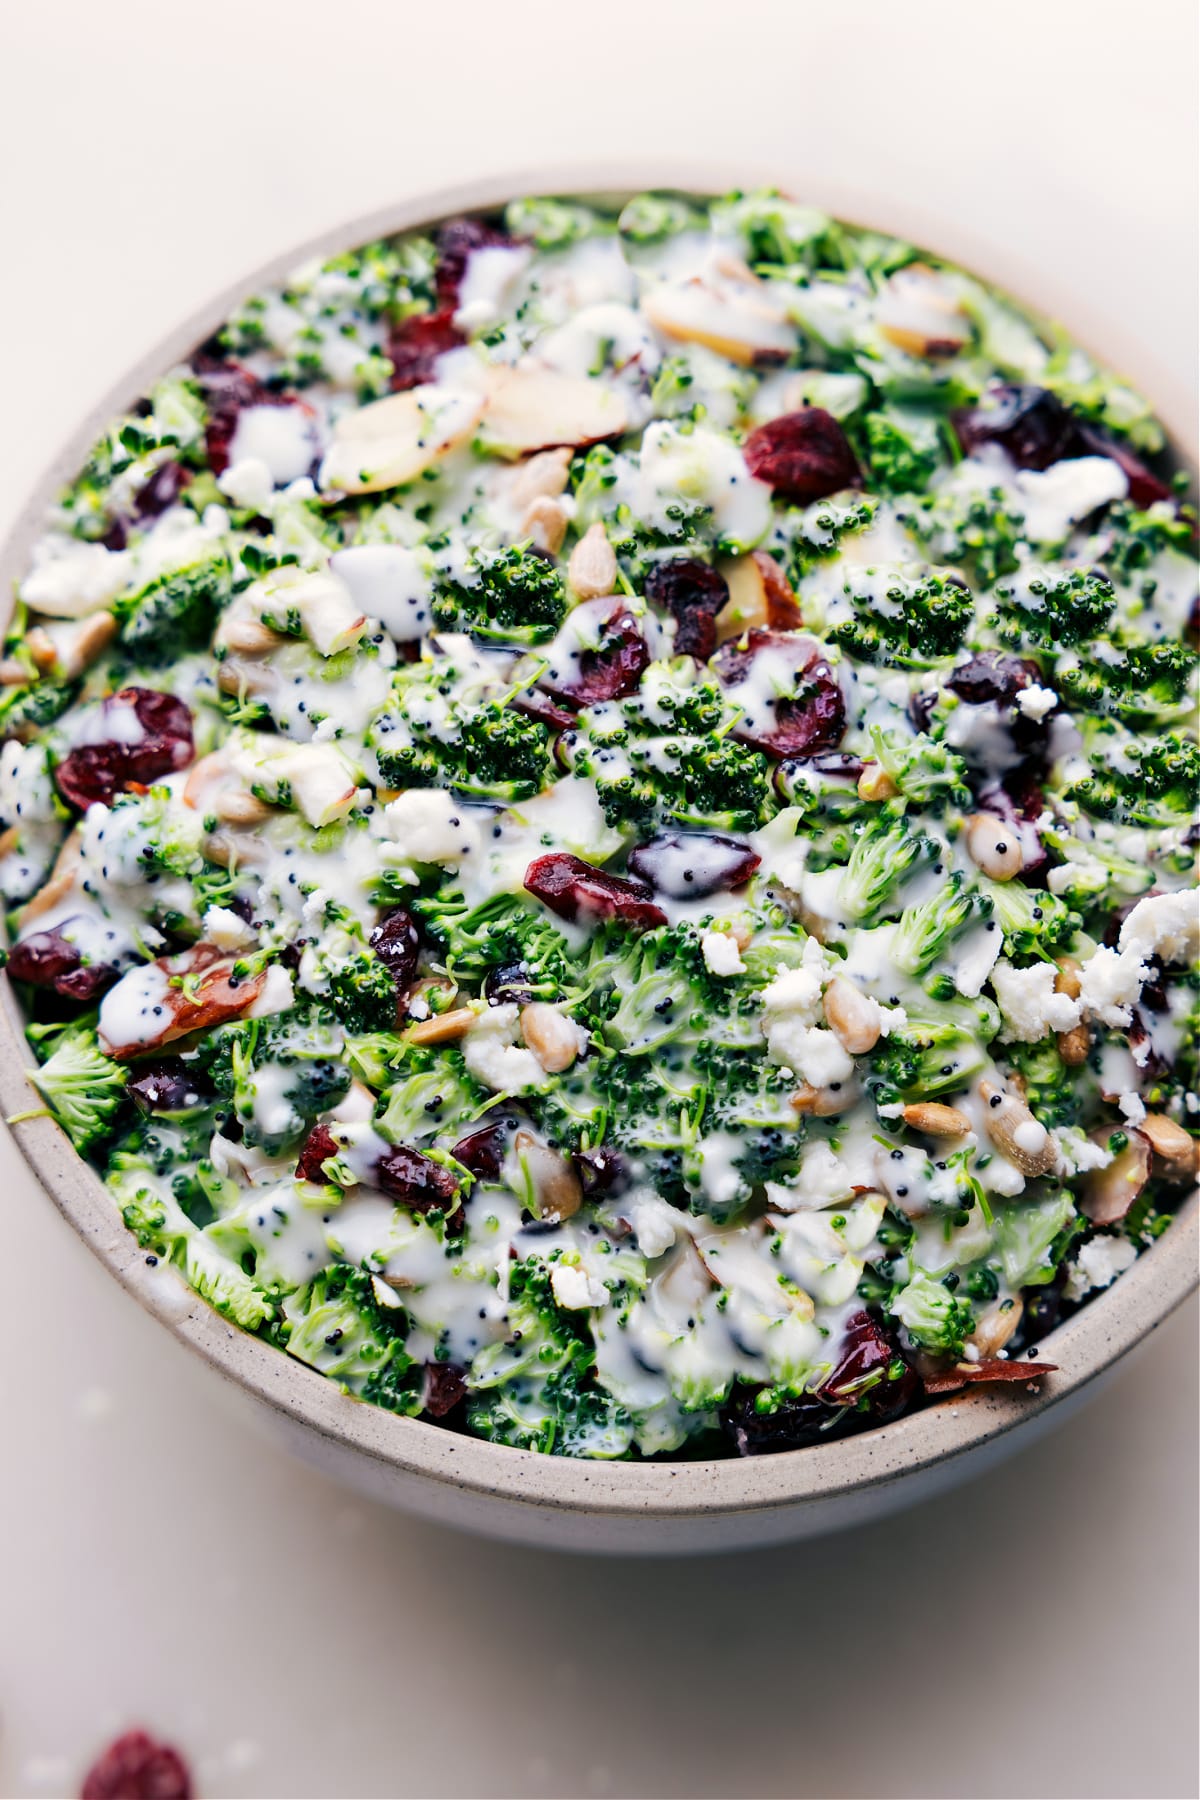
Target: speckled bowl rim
(1084,1347)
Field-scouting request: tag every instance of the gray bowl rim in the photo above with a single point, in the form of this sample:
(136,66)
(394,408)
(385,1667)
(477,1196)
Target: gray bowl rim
(1084,1347)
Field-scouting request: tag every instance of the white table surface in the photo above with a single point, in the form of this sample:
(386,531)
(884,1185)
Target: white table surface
(1032,1634)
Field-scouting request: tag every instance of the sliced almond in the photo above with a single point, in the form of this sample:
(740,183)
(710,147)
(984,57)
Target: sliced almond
(531,408)
(62,879)
(760,594)
(551,1034)
(993,846)
(557,1192)
(442,1028)
(852,1016)
(236,807)
(937,1120)
(14,673)
(824,1103)
(1107,1194)
(542,476)
(737,316)
(592,569)
(196,990)
(545,523)
(79,645)
(237,675)
(40,646)
(996,1326)
(919,312)
(391,442)
(1176,1148)
(1069,980)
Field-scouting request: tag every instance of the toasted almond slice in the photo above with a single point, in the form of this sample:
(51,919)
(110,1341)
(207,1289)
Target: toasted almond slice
(1074,1045)
(760,594)
(531,408)
(919,312)
(13,673)
(875,783)
(737,318)
(209,994)
(824,1103)
(236,807)
(237,675)
(1177,1148)
(937,1120)
(592,569)
(392,441)
(443,1028)
(40,646)
(996,1326)
(557,1193)
(78,645)
(551,1034)
(1015,1132)
(1107,1194)
(544,475)
(545,523)
(852,1016)
(993,846)
(62,879)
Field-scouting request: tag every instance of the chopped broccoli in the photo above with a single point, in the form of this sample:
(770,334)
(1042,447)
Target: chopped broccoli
(513,594)
(926,772)
(975,529)
(902,448)
(906,619)
(1134,680)
(552,224)
(884,853)
(1054,607)
(929,1312)
(648,218)
(1034,922)
(927,931)
(176,613)
(339,1326)
(1030,1240)
(83,1088)
(1148,783)
(1050,1092)
(362,992)
(161,1225)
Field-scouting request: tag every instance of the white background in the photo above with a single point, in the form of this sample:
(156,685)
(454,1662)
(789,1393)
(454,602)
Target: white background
(1032,1634)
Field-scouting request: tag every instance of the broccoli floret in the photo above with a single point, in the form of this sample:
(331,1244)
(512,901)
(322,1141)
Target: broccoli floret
(83,1088)
(926,771)
(922,1062)
(1033,921)
(552,224)
(504,754)
(1091,872)
(25,710)
(1132,541)
(722,782)
(1147,784)
(773,229)
(909,620)
(500,932)
(884,853)
(902,448)
(1032,1237)
(1133,680)
(977,530)
(161,1225)
(512,594)
(339,1326)
(1049,1091)
(362,992)
(648,218)
(176,613)
(930,1313)
(927,931)
(1055,608)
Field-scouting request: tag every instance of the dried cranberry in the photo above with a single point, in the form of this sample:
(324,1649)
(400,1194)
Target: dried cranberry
(101,770)
(693,593)
(318,1146)
(415,344)
(419,1183)
(690,865)
(445,1388)
(807,722)
(483,1151)
(508,984)
(1145,488)
(839,764)
(601,1171)
(572,888)
(541,707)
(734,660)
(792,1426)
(871,1372)
(455,241)
(988,1368)
(161,491)
(803,455)
(992,676)
(164,1086)
(396,944)
(613,670)
(137,1768)
(1031,425)
(229,390)
(45,959)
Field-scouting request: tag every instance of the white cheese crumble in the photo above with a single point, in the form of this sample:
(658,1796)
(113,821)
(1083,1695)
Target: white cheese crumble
(1165,926)
(430,826)
(1029,1007)
(1097,1264)
(1035,701)
(494,1058)
(1110,984)
(575,1289)
(226,930)
(721,954)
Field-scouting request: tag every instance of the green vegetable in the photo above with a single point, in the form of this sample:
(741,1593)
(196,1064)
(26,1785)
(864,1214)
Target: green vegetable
(84,1088)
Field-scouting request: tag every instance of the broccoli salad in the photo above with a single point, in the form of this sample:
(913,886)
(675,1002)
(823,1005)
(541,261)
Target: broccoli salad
(598,821)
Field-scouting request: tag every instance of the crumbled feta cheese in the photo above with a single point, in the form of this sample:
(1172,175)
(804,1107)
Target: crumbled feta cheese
(1132,1108)
(575,1289)
(721,954)
(494,1058)
(76,579)
(430,826)
(655,1223)
(248,483)
(1097,1264)
(226,930)
(821,1180)
(281,438)
(277,994)
(1110,983)
(1029,1006)
(815,1055)
(1166,926)
(1077,1152)
(1056,498)
(1035,702)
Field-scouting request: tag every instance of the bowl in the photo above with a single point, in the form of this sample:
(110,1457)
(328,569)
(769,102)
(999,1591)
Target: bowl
(517,1495)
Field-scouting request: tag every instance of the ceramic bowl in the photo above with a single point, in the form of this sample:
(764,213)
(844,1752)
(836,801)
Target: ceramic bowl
(555,1501)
